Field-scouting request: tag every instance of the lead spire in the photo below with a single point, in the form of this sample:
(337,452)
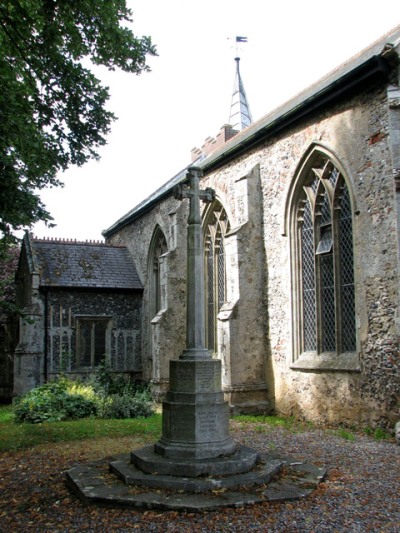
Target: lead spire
(240,116)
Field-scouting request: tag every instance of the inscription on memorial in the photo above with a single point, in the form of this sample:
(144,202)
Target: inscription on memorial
(195,376)
(205,377)
(206,423)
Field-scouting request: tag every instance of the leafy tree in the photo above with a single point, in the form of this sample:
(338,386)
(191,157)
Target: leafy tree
(8,266)
(52,107)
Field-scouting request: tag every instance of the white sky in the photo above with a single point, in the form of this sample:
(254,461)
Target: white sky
(186,97)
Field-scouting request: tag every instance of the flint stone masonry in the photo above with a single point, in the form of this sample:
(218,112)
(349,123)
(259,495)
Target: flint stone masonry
(65,308)
(254,189)
(59,284)
(158,345)
(357,126)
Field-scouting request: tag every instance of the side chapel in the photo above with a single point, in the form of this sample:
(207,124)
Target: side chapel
(302,251)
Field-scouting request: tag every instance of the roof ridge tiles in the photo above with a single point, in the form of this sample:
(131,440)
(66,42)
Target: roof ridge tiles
(89,242)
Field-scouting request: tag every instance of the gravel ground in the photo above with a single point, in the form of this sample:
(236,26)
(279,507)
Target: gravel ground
(361,492)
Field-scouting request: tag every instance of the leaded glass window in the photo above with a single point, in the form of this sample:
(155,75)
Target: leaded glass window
(159,248)
(92,340)
(215,228)
(326,307)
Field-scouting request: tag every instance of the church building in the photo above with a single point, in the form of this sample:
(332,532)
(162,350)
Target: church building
(301,251)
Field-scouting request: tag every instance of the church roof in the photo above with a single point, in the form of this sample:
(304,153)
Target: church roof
(240,116)
(373,63)
(74,264)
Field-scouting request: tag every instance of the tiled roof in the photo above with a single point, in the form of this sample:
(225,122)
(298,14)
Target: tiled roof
(84,265)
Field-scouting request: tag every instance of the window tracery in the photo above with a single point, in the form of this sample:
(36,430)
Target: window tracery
(216,226)
(324,262)
(159,248)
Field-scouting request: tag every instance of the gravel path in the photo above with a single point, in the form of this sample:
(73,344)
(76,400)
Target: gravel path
(360,494)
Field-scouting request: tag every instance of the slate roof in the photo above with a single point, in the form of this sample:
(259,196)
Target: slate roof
(83,265)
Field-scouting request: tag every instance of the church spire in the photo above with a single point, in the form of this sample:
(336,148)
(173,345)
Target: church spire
(240,116)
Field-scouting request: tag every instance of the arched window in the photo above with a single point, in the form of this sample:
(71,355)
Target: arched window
(158,249)
(215,228)
(324,268)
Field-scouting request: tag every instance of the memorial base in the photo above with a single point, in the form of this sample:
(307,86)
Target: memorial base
(195,414)
(272,479)
(148,461)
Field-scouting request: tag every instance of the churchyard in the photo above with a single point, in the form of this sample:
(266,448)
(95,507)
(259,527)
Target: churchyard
(360,490)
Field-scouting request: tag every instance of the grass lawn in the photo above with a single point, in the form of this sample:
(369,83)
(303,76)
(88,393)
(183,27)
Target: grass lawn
(20,436)
(23,436)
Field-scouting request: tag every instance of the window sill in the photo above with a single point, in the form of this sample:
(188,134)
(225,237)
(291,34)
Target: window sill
(327,362)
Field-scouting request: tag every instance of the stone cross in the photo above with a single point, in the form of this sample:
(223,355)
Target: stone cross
(195,424)
(195,315)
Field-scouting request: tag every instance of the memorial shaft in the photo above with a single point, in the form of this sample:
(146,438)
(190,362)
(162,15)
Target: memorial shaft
(195,414)
(195,315)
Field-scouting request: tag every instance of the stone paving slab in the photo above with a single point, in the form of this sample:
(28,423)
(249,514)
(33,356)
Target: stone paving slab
(94,484)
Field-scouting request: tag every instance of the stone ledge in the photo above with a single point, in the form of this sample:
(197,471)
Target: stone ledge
(327,362)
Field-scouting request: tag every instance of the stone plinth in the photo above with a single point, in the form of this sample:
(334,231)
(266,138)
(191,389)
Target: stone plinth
(195,414)
(266,482)
(148,461)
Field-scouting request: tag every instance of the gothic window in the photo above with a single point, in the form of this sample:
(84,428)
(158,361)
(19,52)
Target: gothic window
(93,339)
(159,248)
(215,228)
(324,261)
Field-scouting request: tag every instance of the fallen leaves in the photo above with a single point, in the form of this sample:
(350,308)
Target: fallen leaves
(34,497)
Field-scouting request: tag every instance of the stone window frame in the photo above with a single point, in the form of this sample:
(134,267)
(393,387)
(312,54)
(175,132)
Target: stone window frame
(158,251)
(314,163)
(95,359)
(215,228)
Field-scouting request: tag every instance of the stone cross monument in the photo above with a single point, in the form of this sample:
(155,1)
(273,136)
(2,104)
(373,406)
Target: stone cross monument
(195,415)
(195,454)
(195,426)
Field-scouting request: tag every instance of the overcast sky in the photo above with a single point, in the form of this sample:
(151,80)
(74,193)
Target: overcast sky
(187,95)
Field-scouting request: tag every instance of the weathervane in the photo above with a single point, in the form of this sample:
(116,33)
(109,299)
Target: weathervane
(238,40)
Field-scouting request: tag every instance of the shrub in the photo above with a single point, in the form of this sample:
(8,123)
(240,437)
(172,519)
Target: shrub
(107,382)
(64,399)
(128,405)
(55,401)
(76,406)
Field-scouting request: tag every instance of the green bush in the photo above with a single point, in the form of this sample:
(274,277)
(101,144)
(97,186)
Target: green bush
(118,397)
(65,399)
(107,382)
(55,401)
(128,405)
